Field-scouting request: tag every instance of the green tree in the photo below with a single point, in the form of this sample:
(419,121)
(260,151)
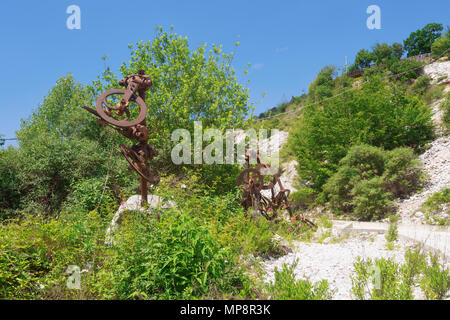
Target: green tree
(187,85)
(64,155)
(364,59)
(2,140)
(420,41)
(378,114)
(397,50)
(322,87)
(441,46)
(9,182)
(383,52)
(61,144)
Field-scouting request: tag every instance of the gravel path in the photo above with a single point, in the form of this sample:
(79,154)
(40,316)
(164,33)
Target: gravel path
(334,262)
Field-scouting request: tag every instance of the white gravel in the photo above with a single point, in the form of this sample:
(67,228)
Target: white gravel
(334,262)
(436,162)
(437,70)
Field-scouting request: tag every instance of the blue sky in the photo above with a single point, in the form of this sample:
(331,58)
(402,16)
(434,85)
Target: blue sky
(287,42)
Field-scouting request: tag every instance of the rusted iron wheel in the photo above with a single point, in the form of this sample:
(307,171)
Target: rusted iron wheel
(133,159)
(105,109)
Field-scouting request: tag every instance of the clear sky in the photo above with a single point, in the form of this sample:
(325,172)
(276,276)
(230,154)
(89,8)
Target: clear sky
(286,41)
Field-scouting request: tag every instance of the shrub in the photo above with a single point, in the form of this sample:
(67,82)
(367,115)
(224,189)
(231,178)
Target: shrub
(89,193)
(287,287)
(436,280)
(384,279)
(34,255)
(392,234)
(445,106)
(176,257)
(403,172)
(438,203)
(441,46)
(9,182)
(433,94)
(338,188)
(303,199)
(380,279)
(370,201)
(368,179)
(421,85)
(406,69)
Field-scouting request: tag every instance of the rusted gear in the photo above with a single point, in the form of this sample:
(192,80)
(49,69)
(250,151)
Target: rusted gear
(253,183)
(105,110)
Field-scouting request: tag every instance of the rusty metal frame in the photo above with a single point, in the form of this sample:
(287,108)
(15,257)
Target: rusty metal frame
(118,117)
(252,181)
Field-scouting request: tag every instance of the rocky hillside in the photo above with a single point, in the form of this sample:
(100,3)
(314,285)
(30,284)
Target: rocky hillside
(331,254)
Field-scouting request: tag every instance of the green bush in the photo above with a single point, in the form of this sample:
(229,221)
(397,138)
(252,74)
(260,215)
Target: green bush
(287,287)
(368,178)
(435,283)
(421,85)
(9,182)
(445,106)
(435,204)
(406,69)
(403,172)
(392,234)
(35,253)
(174,258)
(384,279)
(380,279)
(188,253)
(369,199)
(303,199)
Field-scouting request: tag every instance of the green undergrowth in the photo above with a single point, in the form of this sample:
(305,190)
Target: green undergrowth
(195,250)
(385,279)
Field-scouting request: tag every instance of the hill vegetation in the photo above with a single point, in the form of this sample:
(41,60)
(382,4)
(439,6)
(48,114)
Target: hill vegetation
(356,142)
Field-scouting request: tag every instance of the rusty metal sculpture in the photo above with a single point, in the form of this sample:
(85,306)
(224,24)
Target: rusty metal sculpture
(118,112)
(253,184)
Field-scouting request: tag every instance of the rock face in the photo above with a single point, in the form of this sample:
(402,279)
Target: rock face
(438,70)
(134,203)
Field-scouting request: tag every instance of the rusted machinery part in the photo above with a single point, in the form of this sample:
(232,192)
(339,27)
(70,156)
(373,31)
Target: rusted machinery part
(253,180)
(133,159)
(300,217)
(91,111)
(102,103)
(267,209)
(250,175)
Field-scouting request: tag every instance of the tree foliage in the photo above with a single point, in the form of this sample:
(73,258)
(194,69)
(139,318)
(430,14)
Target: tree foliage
(379,114)
(64,155)
(322,87)
(187,85)
(420,41)
(441,46)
